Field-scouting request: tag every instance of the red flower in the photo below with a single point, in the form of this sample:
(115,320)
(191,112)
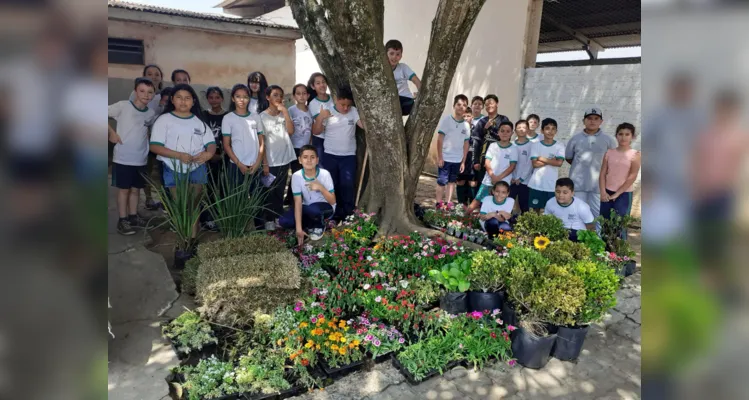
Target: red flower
(493,335)
(378,286)
(486,312)
(405,316)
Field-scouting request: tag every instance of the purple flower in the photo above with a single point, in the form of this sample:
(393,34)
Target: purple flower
(401,340)
(511,363)
(313,320)
(368,338)
(377,343)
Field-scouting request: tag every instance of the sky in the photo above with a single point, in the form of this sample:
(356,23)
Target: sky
(207,6)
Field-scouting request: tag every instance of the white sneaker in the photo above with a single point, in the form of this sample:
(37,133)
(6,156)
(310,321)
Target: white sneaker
(270,226)
(315,234)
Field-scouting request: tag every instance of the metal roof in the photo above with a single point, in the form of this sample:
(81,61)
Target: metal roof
(192,14)
(609,23)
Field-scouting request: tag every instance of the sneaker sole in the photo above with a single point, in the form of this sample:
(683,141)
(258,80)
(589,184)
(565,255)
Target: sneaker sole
(126,233)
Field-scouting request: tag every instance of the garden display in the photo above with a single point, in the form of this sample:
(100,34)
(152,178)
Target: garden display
(276,319)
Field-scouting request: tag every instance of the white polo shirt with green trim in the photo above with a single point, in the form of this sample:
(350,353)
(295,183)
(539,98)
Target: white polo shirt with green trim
(299,186)
(183,134)
(243,131)
(454,135)
(574,215)
(402,74)
(544,179)
(132,127)
(314,108)
(490,205)
(524,168)
(501,158)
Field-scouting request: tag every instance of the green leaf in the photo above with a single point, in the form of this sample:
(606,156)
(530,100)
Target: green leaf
(453,282)
(454,272)
(463,286)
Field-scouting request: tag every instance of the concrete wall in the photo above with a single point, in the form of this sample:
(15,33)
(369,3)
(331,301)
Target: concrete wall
(563,93)
(211,58)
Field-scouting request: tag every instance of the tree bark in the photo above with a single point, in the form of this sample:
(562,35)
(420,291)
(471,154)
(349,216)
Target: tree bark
(346,37)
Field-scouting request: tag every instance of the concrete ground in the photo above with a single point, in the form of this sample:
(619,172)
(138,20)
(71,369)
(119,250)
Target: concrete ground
(140,287)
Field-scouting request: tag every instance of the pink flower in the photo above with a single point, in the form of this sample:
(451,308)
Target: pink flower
(511,328)
(511,363)
(476,315)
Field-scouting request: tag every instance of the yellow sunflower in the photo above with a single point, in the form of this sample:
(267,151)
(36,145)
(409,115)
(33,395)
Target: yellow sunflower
(540,242)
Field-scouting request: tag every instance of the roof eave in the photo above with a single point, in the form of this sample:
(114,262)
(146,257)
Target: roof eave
(245,29)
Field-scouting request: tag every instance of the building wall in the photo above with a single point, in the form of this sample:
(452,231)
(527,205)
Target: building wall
(211,58)
(563,93)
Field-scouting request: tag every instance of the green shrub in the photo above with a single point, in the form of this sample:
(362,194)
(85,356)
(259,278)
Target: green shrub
(426,290)
(190,275)
(487,271)
(556,297)
(189,332)
(523,265)
(591,240)
(564,252)
(613,226)
(531,224)
(600,283)
(251,244)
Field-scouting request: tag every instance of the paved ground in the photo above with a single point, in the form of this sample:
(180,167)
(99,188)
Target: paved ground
(140,287)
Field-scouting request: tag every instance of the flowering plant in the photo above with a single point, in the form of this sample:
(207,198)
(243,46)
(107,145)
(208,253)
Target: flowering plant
(377,338)
(389,303)
(506,240)
(482,336)
(331,338)
(189,332)
(209,379)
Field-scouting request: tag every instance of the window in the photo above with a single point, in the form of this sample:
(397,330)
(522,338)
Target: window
(126,51)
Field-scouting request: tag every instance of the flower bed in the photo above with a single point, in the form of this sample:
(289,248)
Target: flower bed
(364,299)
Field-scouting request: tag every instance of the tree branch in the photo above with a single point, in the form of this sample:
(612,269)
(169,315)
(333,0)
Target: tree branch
(450,28)
(315,26)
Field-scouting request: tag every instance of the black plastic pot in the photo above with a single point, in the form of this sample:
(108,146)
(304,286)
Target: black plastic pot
(531,351)
(259,396)
(294,391)
(181,257)
(480,301)
(340,372)
(569,342)
(454,302)
(628,268)
(509,316)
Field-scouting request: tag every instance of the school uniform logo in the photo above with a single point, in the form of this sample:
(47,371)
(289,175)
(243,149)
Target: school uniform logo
(197,131)
(571,217)
(507,156)
(524,152)
(351,122)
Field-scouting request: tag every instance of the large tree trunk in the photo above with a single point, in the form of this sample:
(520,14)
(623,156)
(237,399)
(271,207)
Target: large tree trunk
(347,40)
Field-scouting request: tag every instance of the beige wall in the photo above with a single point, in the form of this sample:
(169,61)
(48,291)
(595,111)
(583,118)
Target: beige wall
(492,59)
(211,58)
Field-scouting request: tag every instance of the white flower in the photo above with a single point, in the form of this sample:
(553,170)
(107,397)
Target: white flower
(378,298)
(405,260)
(321,254)
(366,286)
(369,258)
(404,283)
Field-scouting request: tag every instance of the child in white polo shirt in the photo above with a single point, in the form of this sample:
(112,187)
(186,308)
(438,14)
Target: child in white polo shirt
(453,134)
(314,197)
(402,74)
(242,133)
(546,156)
(339,157)
(131,152)
(183,142)
(501,160)
(496,210)
(574,213)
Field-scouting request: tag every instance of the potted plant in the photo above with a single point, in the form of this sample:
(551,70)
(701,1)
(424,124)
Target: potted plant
(183,207)
(530,225)
(550,296)
(188,333)
(488,277)
(591,240)
(613,228)
(622,249)
(451,227)
(600,284)
(454,278)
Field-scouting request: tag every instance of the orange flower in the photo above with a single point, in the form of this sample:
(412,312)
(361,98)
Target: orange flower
(305,362)
(342,350)
(293,356)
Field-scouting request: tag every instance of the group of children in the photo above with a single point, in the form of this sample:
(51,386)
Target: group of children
(476,155)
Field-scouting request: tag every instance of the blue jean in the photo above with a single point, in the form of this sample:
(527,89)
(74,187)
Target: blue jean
(319,145)
(313,216)
(493,226)
(198,176)
(343,171)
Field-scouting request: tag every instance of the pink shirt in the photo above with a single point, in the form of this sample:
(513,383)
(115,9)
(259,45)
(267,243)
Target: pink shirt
(619,163)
